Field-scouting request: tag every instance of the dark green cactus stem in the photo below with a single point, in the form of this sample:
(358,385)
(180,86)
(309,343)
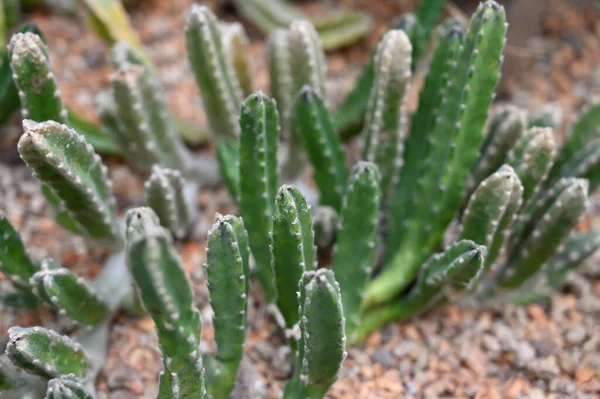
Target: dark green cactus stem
(15,262)
(68,165)
(237,48)
(585,164)
(325,226)
(293,249)
(228,156)
(226,267)
(323,339)
(259,122)
(32,74)
(564,209)
(167,295)
(70,295)
(429,13)
(385,119)
(281,83)
(214,71)
(548,115)
(325,151)
(505,127)
(164,191)
(491,211)
(354,253)
(443,274)
(532,158)
(67,387)
(454,143)
(45,353)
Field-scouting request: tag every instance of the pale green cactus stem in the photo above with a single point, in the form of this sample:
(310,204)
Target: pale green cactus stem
(557,215)
(214,72)
(165,194)
(45,353)
(548,115)
(259,180)
(237,47)
(15,262)
(354,252)
(308,68)
(412,27)
(385,119)
(67,387)
(325,151)
(443,274)
(228,274)
(293,249)
(454,143)
(167,295)
(325,226)
(32,74)
(491,211)
(63,161)
(323,339)
(70,295)
(228,156)
(532,158)
(505,127)
(16,383)
(281,82)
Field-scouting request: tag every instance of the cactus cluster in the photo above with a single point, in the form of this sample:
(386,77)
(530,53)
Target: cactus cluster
(444,206)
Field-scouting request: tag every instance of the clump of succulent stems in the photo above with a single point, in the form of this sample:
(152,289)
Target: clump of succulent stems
(475,207)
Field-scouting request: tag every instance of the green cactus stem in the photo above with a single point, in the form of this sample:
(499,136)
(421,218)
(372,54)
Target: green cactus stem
(293,249)
(281,83)
(384,123)
(548,115)
(491,211)
(532,158)
(45,353)
(323,342)
(214,72)
(443,274)
(314,126)
(167,295)
(228,156)
(325,226)
(561,210)
(454,143)
(67,387)
(259,180)
(164,191)
(429,13)
(68,294)
(15,262)
(227,270)
(354,252)
(68,165)
(237,47)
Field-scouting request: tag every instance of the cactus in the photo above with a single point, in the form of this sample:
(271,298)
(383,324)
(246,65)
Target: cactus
(258,181)
(325,226)
(354,253)
(214,72)
(384,122)
(548,115)
(236,46)
(279,65)
(46,353)
(228,156)
(323,146)
(67,387)
(68,165)
(412,27)
(165,194)
(428,13)
(293,248)
(15,262)
(167,295)
(455,138)
(62,290)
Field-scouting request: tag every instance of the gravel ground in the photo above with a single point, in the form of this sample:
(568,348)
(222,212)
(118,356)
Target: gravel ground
(549,350)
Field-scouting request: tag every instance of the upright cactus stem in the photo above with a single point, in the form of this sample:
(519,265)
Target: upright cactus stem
(167,295)
(293,248)
(413,29)
(15,262)
(237,47)
(32,74)
(67,164)
(165,195)
(67,387)
(282,83)
(325,151)
(354,252)
(325,225)
(214,72)
(384,122)
(259,181)
(46,353)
